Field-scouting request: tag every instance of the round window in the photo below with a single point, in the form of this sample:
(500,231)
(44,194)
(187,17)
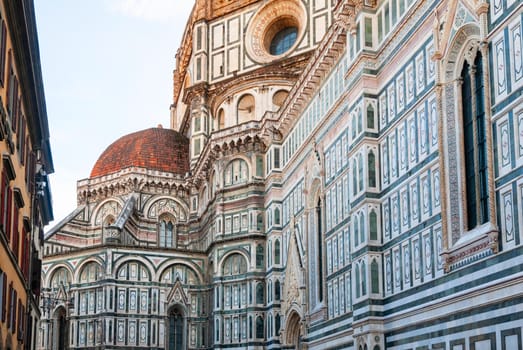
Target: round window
(283,41)
(275,30)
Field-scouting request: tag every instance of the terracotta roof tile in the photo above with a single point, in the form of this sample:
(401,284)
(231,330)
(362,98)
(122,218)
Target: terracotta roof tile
(156,149)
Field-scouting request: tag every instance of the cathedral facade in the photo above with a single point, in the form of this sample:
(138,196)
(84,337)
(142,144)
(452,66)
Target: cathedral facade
(336,175)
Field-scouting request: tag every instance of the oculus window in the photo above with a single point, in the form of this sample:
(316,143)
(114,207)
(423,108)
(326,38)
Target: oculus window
(283,41)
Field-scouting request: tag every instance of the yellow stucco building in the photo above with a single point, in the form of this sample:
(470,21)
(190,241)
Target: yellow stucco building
(25,203)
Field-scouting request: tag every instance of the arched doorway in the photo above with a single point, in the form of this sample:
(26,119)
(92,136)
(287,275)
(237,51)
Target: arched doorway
(176,337)
(293,330)
(60,329)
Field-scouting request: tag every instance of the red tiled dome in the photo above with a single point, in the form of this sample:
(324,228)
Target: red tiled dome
(156,149)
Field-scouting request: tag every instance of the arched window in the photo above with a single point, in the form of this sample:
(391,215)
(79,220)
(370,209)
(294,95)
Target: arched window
(259,293)
(185,274)
(91,272)
(236,172)
(279,97)
(360,171)
(62,328)
(235,264)
(246,109)
(354,130)
(269,326)
(269,292)
(362,227)
(277,325)
(259,327)
(373,225)
(371,169)
(217,330)
(370,116)
(166,232)
(277,290)
(475,143)
(374,274)
(360,120)
(133,271)
(277,252)
(259,222)
(354,178)
(356,231)
(221,119)
(269,253)
(357,273)
(259,256)
(176,336)
(363,279)
(277,216)
(61,277)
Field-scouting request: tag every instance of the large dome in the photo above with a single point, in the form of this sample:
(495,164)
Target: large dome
(155,149)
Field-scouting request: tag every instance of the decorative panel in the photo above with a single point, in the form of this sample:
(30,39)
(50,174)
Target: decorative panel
(410,82)
(233,33)
(388,273)
(500,78)
(516,54)
(420,73)
(507,216)
(217,36)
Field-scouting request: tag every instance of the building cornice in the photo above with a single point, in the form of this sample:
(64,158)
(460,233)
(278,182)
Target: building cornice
(127,181)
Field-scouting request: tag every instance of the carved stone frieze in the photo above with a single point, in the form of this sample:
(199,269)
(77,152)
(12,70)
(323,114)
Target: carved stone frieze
(128,181)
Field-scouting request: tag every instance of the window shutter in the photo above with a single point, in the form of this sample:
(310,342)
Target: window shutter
(10,310)
(3,46)
(32,172)
(15,234)
(20,328)
(9,83)
(2,200)
(21,137)
(13,311)
(4,297)
(8,213)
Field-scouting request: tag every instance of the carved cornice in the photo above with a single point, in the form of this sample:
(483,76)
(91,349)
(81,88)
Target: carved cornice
(128,181)
(325,56)
(471,251)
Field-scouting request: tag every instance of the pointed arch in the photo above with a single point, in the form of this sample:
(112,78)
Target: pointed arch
(374,275)
(60,328)
(293,330)
(176,335)
(465,115)
(277,290)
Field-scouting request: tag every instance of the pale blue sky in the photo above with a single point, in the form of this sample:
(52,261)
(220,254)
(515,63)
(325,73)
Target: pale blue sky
(107,69)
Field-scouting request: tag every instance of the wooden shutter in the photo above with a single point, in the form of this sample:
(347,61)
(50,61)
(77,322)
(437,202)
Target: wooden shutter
(3,188)
(9,306)
(3,46)
(4,297)
(9,206)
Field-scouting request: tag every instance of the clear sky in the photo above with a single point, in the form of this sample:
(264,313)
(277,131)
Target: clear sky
(107,69)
